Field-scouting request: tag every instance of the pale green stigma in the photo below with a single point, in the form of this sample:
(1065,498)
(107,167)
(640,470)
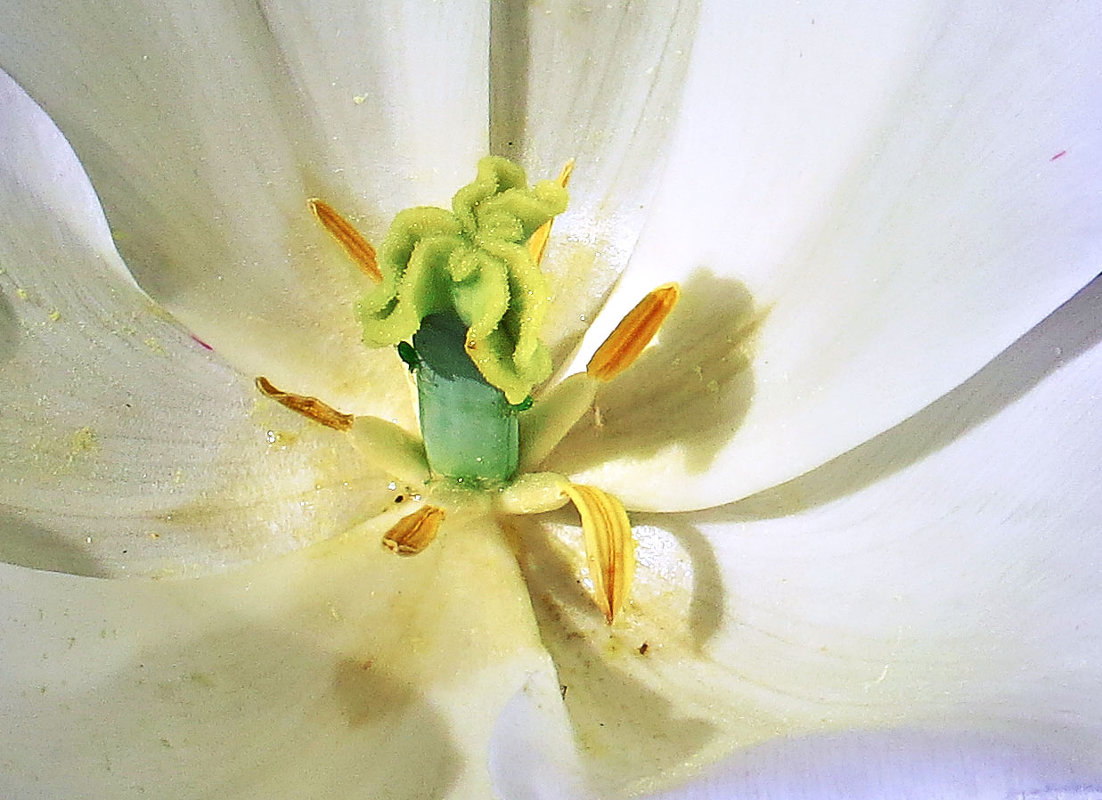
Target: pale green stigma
(461,297)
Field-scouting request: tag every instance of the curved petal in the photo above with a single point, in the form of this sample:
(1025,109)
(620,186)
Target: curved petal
(601,84)
(205,127)
(863,211)
(533,753)
(949,585)
(901,765)
(336,671)
(126,445)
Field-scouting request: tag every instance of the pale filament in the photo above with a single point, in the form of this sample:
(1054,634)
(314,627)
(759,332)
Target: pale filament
(610,549)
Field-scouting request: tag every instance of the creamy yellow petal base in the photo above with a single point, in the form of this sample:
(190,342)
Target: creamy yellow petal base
(336,671)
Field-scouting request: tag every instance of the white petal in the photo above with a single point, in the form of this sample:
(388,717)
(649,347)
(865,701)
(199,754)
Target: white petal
(892,766)
(340,671)
(863,210)
(125,444)
(601,84)
(206,126)
(943,576)
(533,754)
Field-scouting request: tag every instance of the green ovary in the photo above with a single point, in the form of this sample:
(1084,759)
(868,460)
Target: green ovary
(474,262)
(464,288)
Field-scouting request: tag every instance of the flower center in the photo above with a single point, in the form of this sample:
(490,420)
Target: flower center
(461,297)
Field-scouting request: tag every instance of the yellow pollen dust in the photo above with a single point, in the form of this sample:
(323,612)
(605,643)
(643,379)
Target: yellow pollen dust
(633,334)
(353,242)
(307,406)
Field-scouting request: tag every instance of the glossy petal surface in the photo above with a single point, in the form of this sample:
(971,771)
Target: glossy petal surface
(337,671)
(939,576)
(205,127)
(126,445)
(862,212)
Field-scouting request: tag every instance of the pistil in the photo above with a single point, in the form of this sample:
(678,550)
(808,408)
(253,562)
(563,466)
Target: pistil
(469,428)
(461,297)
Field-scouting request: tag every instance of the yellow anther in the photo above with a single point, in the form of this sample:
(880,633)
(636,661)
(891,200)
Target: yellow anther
(414,532)
(537,243)
(357,247)
(307,406)
(633,334)
(609,547)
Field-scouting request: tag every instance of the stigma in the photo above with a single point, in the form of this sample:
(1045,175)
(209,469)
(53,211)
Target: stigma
(459,294)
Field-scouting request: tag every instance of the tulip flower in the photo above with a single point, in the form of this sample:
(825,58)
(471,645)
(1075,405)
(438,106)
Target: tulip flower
(859,458)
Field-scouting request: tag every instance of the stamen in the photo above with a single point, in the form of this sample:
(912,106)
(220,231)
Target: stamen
(415,532)
(552,417)
(633,334)
(609,547)
(307,406)
(533,493)
(537,243)
(357,247)
(391,449)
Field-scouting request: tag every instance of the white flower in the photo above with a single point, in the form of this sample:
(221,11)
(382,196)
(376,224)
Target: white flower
(889,516)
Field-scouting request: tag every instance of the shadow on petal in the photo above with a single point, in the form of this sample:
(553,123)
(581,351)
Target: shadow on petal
(30,545)
(9,329)
(709,593)
(620,721)
(690,389)
(1068,332)
(509,74)
(871,765)
(241,711)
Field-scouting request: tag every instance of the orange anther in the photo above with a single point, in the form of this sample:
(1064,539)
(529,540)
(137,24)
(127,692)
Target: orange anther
(609,546)
(414,532)
(357,247)
(633,334)
(537,243)
(307,406)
